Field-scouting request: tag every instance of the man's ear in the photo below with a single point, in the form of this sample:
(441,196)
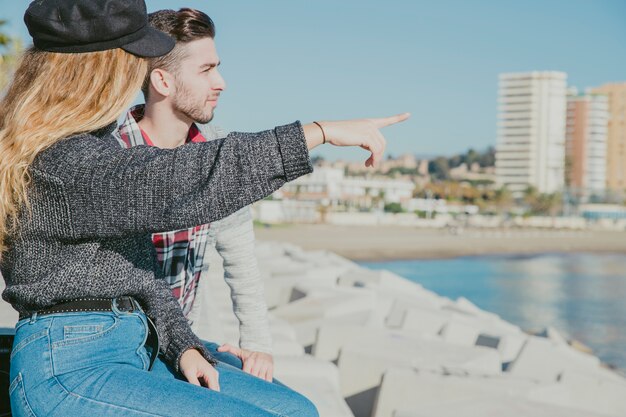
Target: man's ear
(162,82)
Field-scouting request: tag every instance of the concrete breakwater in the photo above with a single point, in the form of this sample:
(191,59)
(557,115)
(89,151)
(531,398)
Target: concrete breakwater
(370,343)
(367,343)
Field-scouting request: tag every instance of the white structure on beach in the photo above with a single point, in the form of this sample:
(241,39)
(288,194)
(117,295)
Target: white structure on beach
(530,146)
(333,186)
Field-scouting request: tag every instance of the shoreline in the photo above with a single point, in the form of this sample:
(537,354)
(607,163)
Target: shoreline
(394,243)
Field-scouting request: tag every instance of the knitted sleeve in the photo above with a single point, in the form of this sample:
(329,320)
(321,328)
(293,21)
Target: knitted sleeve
(113,192)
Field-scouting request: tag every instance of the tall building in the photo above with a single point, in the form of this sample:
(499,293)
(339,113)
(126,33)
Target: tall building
(586,137)
(530,148)
(616,135)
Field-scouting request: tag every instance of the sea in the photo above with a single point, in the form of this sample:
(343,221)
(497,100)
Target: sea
(583,296)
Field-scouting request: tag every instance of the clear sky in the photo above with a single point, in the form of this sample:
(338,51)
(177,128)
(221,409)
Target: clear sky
(329,59)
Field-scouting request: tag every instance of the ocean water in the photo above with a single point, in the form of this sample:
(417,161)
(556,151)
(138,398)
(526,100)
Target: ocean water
(583,296)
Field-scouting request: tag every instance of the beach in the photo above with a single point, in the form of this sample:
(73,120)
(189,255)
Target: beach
(380,243)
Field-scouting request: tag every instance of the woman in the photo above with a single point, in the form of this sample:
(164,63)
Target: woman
(77,211)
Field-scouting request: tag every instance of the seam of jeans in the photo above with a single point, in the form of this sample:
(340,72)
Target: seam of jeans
(18,385)
(146,364)
(30,339)
(52,364)
(126,409)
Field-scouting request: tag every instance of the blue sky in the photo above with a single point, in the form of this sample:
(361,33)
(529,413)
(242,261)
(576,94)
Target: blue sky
(294,59)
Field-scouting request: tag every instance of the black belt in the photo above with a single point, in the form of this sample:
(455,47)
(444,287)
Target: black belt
(125,304)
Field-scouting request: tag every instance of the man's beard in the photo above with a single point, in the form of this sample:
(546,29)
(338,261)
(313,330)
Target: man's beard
(184,104)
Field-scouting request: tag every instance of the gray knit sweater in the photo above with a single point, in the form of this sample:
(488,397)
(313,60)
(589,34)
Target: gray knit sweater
(94,206)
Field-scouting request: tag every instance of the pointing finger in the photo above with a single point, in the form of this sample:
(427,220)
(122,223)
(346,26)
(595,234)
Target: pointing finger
(388,121)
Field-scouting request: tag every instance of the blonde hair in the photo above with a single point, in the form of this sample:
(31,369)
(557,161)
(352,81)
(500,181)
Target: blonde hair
(54,96)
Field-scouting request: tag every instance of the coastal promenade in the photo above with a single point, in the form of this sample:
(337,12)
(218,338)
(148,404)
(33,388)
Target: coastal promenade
(382,243)
(367,343)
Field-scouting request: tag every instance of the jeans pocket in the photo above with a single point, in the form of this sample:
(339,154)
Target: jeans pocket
(17,394)
(86,329)
(73,332)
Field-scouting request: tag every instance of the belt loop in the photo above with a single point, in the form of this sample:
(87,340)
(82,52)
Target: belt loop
(137,306)
(33,318)
(114,307)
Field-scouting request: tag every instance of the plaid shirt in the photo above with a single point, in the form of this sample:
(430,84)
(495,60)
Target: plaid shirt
(180,252)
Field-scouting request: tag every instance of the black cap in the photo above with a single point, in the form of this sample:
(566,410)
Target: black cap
(74,26)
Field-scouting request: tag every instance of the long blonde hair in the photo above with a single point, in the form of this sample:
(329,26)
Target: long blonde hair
(54,96)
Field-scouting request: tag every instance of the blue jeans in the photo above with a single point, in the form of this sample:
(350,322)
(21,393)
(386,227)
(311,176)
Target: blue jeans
(95,364)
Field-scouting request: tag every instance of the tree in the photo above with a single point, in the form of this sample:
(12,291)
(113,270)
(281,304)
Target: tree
(393,208)
(542,203)
(439,168)
(10,49)
(5,39)
(503,199)
(317,160)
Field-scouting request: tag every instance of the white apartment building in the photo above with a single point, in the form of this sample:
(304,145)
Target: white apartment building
(586,143)
(530,146)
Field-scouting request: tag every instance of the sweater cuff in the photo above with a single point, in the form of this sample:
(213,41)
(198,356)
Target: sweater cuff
(294,151)
(177,347)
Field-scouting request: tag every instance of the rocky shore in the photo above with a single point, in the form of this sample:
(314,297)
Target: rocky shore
(370,343)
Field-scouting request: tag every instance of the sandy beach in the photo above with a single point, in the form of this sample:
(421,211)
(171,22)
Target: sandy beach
(379,243)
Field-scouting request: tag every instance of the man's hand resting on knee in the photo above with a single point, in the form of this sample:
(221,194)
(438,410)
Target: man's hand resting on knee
(259,364)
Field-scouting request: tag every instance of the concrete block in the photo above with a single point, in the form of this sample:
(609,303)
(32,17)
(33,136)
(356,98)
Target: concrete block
(410,393)
(461,333)
(424,320)
(601,391)
(332,337)
(306,315)
(553,335)
(361,365)
(545,360)
(286,347)
(403,302)
(361,277)
(317,380)
(515,407)
(278,290)
(510,346)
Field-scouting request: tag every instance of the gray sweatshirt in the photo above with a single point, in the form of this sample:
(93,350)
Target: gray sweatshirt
(94,206)
(233,238)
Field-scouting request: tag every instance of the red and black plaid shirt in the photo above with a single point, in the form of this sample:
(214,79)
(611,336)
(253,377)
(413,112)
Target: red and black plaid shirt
(180,252)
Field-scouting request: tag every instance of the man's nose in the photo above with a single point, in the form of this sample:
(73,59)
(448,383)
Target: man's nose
(219,83)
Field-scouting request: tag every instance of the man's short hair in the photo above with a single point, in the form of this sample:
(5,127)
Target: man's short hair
(184,26)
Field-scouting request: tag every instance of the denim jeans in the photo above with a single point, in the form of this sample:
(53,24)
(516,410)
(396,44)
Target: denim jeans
(95,364)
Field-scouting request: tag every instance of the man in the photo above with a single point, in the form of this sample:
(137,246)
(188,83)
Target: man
(181,90)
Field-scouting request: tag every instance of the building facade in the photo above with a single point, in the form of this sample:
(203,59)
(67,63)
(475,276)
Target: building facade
(530,148)
(616,135)
(586,144)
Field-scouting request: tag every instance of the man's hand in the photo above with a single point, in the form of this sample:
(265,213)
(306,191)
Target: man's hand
(258,364)
(195,368)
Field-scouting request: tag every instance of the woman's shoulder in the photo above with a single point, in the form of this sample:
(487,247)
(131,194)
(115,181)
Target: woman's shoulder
(74,150)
